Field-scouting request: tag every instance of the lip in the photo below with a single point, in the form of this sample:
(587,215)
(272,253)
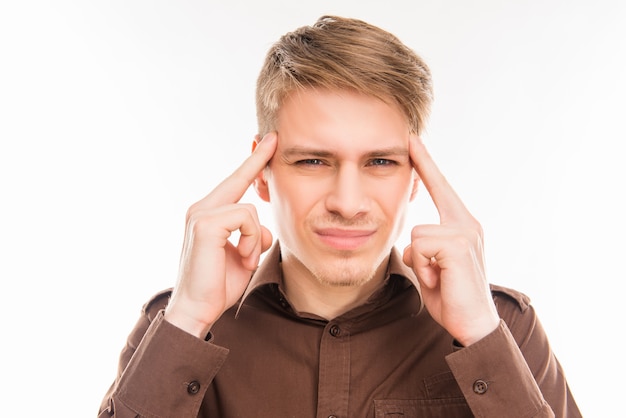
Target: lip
(344,239)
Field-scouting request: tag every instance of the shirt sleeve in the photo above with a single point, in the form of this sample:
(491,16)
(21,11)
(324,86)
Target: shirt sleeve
(512,371)
(162,368)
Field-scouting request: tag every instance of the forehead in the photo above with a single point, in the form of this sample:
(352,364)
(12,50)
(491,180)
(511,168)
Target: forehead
(340,121)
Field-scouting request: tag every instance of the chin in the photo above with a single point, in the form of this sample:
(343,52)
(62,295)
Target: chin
(345,272)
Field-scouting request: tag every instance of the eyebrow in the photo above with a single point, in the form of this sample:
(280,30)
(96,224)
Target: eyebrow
(315,152)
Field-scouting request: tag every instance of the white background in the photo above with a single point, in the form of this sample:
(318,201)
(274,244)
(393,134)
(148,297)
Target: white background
(116,115)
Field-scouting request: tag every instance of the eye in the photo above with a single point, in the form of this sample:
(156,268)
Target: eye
(310,161)
(381,162)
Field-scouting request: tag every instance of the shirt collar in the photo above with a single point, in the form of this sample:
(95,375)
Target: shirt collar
(269,272)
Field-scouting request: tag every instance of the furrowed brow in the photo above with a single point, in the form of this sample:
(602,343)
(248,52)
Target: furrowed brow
(389,152)
(295,152)
(306,152)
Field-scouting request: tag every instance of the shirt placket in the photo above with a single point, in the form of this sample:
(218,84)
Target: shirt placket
(334,372)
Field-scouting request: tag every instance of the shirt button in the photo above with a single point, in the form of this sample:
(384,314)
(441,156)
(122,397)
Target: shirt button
(480,387)
(332,416)
(335,331)
(193,387)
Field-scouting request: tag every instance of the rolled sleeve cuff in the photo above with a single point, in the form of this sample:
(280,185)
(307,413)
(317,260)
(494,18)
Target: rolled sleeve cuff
(495,379)
(170,372)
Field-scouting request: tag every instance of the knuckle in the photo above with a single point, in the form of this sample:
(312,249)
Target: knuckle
(475,226)
(461,242)
(466,245)
(192,211)
(464,242)
(250,208)
(417,231)
(477,238)
(199,224)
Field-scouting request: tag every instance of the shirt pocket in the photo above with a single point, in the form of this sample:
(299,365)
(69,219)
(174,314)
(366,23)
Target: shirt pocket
(442,386)
(419,408)
(444,399)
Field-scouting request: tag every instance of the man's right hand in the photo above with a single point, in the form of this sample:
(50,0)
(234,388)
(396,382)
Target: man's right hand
(213,272)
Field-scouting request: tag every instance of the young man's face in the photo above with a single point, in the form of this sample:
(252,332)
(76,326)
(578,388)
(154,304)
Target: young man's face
(339,184)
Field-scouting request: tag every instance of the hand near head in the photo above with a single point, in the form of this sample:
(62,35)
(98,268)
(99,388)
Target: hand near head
(213,272)
(448,259)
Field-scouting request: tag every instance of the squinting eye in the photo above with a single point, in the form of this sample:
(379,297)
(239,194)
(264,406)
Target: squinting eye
(381,161)
(310,161)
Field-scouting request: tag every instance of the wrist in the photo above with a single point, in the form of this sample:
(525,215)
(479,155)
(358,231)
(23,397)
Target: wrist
(190,325)
(479,332)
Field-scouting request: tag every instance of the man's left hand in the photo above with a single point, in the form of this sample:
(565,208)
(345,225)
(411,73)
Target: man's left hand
(448,258)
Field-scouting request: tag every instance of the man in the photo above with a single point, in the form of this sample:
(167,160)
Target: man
(336,322)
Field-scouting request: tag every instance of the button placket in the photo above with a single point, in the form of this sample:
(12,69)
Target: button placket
(335,331)
(334,371)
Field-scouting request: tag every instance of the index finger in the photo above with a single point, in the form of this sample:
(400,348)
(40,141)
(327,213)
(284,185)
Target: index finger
(233,187)
(448,203)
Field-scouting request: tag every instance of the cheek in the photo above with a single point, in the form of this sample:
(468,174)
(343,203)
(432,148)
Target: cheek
(397,189)
(394,197)
(293,196)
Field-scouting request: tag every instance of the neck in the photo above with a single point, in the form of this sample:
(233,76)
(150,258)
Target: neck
(306,293)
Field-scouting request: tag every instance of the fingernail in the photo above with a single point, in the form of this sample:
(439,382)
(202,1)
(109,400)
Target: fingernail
(269,137)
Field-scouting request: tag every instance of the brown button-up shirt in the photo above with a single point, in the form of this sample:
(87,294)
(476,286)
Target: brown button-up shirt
(386,358)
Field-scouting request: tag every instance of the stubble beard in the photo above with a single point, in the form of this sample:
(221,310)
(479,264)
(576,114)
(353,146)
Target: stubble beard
(345,268)
(343,274)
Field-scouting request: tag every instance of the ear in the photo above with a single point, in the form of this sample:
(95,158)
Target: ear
(260,183)
(416,182)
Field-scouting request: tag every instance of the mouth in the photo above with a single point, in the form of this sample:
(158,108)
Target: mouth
(344,239)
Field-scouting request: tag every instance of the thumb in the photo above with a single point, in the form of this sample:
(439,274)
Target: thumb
(266,239)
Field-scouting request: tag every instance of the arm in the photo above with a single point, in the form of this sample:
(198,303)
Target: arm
(167,363)
(500,374)
(521,375)
(155,373)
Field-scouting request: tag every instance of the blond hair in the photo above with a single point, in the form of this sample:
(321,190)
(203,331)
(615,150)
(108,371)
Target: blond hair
(340,53)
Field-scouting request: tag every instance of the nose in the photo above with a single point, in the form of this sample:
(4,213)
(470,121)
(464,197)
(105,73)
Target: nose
(348,196)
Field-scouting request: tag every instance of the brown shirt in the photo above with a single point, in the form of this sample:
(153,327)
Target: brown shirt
(387,358)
